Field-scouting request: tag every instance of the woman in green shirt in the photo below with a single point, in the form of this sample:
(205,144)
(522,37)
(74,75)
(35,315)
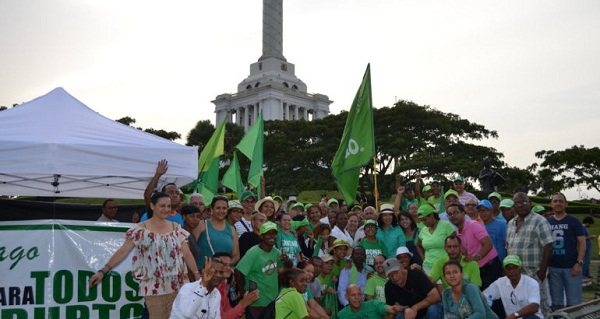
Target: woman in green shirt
(287,240)
(290,303)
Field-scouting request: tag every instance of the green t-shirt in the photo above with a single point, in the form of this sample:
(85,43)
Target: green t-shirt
(337,268)
(470,271)
(376,287)
(289,244)
(373,249)
(307,295)
(291,305)
(436,202)
(433,244)
(372,309)
(261,266)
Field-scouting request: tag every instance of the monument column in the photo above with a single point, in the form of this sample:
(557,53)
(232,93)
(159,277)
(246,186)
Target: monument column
(272,37)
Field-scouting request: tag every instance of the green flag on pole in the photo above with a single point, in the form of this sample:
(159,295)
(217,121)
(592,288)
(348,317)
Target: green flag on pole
(251,145)
(208,184)
(208,164)
(357,147)
(232,178)
(213,149)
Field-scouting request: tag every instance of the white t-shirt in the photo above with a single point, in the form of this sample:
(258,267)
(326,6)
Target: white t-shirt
(514,299)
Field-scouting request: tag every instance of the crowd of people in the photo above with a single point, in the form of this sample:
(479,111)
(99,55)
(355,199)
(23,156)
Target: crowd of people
(432,254)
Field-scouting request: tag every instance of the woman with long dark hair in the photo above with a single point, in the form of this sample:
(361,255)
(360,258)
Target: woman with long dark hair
(161,253)
(463,300)
(389,233)
(215,234)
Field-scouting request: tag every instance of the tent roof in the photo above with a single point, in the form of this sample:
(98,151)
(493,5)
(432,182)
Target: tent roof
(56,138)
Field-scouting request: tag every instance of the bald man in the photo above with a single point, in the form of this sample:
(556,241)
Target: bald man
(371,309)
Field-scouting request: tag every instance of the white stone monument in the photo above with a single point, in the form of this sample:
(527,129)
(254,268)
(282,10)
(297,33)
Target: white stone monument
(272,85)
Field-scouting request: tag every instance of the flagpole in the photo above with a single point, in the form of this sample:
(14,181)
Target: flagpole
(375,181)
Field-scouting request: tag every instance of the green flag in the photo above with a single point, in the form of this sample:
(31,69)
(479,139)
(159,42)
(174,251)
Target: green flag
(208,184)
(357,147)
(213,149)
(232,178)
(252,146)
(208,164)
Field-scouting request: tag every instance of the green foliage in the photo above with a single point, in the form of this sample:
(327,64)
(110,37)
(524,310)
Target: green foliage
(203,130)
(409,138)
(570,167)
(172,135)
(126,120)
(516,179)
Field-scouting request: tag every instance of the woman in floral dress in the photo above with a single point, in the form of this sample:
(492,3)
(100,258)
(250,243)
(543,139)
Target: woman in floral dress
(161,253)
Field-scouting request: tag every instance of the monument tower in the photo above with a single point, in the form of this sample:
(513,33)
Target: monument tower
(272,85)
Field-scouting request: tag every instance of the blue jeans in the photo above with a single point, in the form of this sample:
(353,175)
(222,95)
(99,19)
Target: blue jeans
(586,262)
(561,284)
(434,311)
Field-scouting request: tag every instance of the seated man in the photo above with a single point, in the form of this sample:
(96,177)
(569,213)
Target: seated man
(228,312)
(375,288)
(200,299)
(109,211)
(520,294)
(355,274)
(409,288)
(470,268)
(370,309)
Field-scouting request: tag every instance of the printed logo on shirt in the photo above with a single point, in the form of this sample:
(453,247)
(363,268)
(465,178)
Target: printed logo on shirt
(269,268)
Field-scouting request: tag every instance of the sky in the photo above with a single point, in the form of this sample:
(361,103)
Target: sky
(529,70)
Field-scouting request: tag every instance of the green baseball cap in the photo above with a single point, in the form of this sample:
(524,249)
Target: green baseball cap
(508,203)
(370,222)
(451,193)
(459,178)
(357,207)
(425,210)
(299,223)
(297,205)
(495,194)
(512,260)
(246,194)
(538,208)
(426,188)
(331,201)
(267,227)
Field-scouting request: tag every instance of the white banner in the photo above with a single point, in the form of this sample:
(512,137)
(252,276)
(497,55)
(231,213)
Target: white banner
(45,267)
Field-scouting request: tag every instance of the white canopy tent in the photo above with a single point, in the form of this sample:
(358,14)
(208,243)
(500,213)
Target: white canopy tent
(56,146)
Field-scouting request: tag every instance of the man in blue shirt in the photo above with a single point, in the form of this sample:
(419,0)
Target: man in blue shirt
(568,251)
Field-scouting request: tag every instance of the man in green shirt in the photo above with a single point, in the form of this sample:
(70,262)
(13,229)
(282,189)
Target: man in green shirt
(470,268)
(375,288)
(262,264)
(371,309)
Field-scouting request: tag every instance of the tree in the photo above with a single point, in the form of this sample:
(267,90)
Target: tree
(162,133)
(412,138)
(516,179)
(203,130)
(2,108)
(408,137)
(573,166)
